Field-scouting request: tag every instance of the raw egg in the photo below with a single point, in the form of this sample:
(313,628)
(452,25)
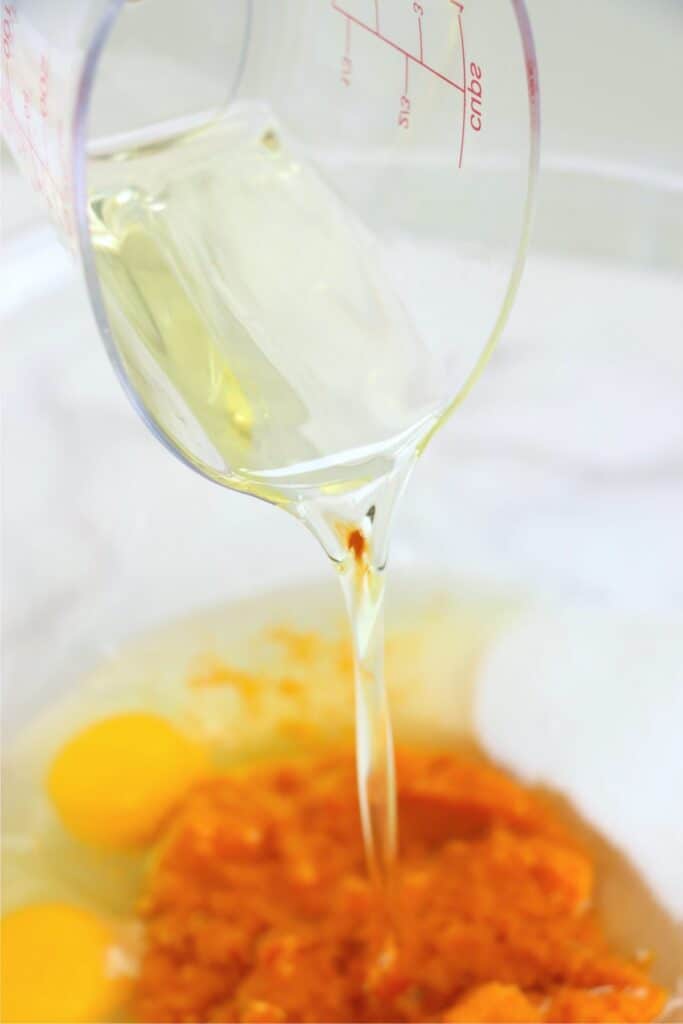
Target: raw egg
(115,781)
(55,965)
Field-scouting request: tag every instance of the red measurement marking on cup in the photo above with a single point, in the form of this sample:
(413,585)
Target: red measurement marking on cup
(395,46)
(28,142)
(404,109)
(44,85)
(9,16)
(464,92)
(27,113)
(419,10)
(347,64)
(43,179)
(417,58)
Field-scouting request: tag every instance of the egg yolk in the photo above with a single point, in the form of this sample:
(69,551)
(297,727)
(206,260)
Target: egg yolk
(114,783)
(54,965)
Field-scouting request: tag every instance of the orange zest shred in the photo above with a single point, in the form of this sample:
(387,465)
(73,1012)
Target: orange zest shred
(212,672)
(258,907)
(298,645)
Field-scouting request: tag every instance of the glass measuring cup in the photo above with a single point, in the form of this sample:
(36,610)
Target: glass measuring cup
(370,94)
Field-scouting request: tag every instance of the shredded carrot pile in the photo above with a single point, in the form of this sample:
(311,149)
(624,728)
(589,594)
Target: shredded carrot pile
(258,906)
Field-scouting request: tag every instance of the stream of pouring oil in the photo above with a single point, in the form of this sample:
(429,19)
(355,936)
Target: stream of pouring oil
(252,316)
